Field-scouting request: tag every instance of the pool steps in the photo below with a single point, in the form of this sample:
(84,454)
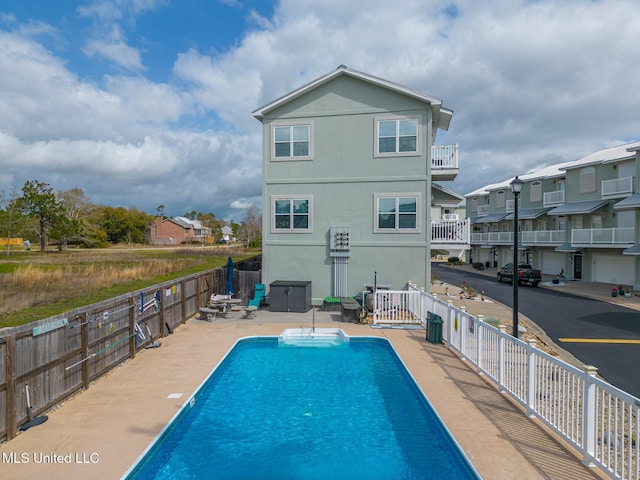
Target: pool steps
(313,336)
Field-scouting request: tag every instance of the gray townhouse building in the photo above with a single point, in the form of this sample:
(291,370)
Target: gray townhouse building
(579,218)
(348,166)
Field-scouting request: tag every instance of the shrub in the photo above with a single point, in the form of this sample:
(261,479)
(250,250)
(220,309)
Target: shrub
(453,260)
(478,265)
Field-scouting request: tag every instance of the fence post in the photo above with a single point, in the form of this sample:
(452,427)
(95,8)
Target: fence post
(84,349)
(450,320)
(183,302)
(163,291)
(10,375)
(589,416)
(531,376)
(479,331)
(132,327)
(501,345)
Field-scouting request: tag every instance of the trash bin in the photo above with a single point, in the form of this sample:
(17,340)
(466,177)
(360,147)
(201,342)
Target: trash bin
(434,328)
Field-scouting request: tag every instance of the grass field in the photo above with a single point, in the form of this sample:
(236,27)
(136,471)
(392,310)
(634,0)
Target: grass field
(35,285)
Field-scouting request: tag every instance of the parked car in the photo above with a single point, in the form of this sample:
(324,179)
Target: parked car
(525,274)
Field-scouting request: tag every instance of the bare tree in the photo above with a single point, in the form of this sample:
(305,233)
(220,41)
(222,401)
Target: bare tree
(250,231)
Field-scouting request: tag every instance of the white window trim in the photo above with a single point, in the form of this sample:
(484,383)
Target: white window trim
(501,199)
(396,195)
(273,199)
(376,144)
(535,192)
(290,124)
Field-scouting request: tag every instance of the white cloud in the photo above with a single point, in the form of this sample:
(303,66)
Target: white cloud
(114,48)
(531,83)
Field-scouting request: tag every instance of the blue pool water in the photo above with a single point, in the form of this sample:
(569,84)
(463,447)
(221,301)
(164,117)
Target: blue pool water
(273,411)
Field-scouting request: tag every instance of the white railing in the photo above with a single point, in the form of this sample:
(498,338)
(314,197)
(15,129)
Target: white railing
(553,198)
(397,306)
(450,231)
(483,209)
(543,237)
(500,238)
(601,421)
(510,205)
(450,216)
(617,186)
(603,236)
(479,238)
(444,156)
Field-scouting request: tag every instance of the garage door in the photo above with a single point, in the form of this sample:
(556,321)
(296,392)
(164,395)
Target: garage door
(613,269)
(552,262)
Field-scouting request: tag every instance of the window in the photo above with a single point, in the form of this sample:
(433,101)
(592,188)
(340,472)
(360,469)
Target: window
(397,137)
(500,199)
(397,213)
(588,179)
(292,142)
(535,194)
(291,214)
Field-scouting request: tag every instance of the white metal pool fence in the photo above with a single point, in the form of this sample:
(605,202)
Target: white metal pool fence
(598,419)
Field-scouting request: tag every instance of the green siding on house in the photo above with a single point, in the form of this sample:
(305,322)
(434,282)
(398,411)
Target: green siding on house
(341,180)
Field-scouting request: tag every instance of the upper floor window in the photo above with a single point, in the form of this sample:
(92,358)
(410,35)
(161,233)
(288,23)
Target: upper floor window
(292,214)
(535,192)
(500,199)
(588,180)
(292,142)
(397,136)
(397,213)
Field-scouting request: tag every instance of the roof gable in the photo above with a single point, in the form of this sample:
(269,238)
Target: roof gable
(441,116)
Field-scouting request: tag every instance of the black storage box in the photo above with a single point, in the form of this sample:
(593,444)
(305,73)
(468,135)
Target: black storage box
(290,296)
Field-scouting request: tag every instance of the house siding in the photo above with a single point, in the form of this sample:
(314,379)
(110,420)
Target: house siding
(343,176)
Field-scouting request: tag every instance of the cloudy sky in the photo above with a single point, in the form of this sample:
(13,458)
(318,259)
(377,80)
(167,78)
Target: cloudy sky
(148,102)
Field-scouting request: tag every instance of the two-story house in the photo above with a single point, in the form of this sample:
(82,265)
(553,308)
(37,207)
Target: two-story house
(178,230)
(577,217)
(347,172)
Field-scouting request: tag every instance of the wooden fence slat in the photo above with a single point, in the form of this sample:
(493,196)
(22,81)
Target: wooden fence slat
(10,413)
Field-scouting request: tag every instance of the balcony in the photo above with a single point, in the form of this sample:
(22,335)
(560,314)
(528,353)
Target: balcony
(602,237)
(444,162)
(483,209)
(492,238)
(543,237)
(450,233)
(551,199)
(618,187)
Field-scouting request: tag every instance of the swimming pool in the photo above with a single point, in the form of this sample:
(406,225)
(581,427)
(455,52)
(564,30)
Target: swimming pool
(271,410)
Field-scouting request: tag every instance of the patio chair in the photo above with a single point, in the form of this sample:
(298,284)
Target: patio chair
(258,295)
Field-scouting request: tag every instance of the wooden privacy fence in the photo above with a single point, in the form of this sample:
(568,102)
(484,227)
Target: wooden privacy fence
(62,354)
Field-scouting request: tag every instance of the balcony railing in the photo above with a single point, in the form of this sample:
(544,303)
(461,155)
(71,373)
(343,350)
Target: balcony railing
(510,205)
(617,186)
(553,198)
(450,216)
(444,157)
(603,236)
(450,231)
(483,209)
(492,238)
(543,237)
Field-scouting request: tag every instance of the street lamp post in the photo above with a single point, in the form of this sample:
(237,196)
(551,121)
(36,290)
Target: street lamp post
(516,188)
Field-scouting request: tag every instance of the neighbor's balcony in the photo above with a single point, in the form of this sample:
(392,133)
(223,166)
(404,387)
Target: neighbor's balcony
(603,236)
(450,232)
(617,187)
(550,199)
(483,209)
(492,238)
(543,237)
(444,162)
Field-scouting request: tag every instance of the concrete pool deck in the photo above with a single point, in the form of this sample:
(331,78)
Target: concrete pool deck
(102,431)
